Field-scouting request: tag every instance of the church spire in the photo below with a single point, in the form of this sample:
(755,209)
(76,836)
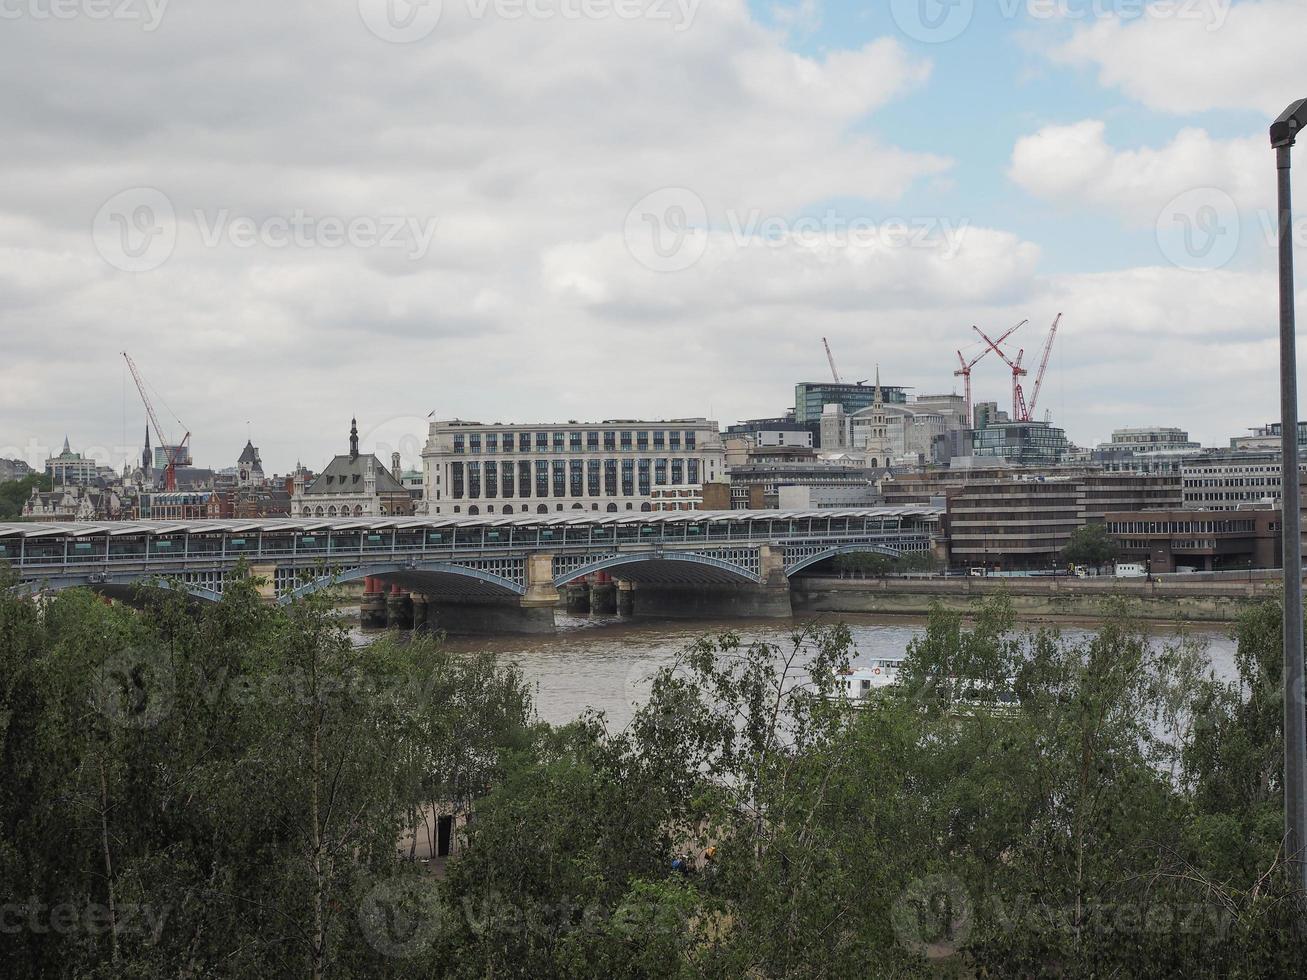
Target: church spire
(353,438)
(877,398)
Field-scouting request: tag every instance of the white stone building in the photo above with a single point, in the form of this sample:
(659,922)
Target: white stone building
(610,467)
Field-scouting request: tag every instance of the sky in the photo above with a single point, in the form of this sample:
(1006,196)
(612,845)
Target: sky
(527,211)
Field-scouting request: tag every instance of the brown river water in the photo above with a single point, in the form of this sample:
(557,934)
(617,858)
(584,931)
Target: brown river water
(605,662)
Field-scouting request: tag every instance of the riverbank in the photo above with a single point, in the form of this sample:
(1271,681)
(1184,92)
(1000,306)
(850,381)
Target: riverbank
(1171,600)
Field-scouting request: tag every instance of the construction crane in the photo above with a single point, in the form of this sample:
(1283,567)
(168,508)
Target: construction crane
(964,371)
(1043,364)
(1019,413)
(831,358)
(171,448)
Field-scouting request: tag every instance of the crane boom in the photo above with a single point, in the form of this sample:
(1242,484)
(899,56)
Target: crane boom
(965,370)
(1019,411)
(170,471)
(831,358)
(1043,363)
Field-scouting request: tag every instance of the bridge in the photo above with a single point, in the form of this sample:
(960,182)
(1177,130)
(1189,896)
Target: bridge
(472,573)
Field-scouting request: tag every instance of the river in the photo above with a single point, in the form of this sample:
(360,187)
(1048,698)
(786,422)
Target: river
(605,662)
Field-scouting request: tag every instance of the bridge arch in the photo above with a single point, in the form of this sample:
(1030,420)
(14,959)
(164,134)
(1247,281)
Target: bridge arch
(672,567)
(843,549)
(427,577)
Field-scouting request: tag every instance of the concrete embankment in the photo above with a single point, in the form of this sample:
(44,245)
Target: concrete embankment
(1194,598)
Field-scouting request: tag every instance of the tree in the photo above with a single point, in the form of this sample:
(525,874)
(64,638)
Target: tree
(14,494)
(1090,544)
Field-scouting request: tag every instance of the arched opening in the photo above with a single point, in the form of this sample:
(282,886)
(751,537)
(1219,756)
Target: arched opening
(542,509)
(331,511)
(508,508)
(577,507)
(611,508)
(473,510)
(308,511)
(319,511)
(358,510)
(646,507)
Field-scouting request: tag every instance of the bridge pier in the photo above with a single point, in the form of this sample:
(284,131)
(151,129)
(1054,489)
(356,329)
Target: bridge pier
(625,598)
(372,607)
(421,611)
(577,598)
(399,609)
(603,595)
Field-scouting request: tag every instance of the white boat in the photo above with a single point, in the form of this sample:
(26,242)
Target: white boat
(859,682)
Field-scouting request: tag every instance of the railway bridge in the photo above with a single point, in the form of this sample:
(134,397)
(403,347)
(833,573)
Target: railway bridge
(469,574)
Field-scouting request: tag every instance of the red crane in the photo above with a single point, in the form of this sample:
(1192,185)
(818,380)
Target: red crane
(171,448)
(1043,363)
(965,371)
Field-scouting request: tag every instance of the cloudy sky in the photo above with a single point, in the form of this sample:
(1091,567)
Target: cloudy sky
(542,210)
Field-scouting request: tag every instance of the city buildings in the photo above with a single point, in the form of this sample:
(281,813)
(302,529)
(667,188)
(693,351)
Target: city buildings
(612,466)
(351,485)
(1021,519)
(759,484)
(1151,439)
(1025,443)
(812,397)
(775,432)
(1197,540)
(1227,480)
(1267,437)
(70,468)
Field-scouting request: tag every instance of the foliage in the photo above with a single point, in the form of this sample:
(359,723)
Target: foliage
(1090,544)
(14,494)
(227,790)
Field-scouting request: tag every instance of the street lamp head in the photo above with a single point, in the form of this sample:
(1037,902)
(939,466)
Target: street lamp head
(1285,129)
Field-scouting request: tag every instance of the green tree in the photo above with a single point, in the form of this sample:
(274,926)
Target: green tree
(1090,544)
(14,494)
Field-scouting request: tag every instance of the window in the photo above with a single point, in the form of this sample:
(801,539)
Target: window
(456,480)
(628,477)
(592,477)
(610,441)
(610,477)
(524,479)
(492,479)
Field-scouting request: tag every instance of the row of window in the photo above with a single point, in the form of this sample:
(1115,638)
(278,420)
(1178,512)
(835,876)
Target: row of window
(569,478)
(610,440)
(1181,527)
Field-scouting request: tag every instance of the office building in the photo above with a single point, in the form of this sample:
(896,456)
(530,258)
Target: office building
(610,467)
(812,397)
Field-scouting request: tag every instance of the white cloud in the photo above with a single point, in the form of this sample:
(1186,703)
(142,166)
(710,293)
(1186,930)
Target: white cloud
(1222,55)
(1075,164)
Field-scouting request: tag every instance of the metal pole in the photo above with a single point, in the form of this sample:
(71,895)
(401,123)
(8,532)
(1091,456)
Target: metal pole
(1295,721)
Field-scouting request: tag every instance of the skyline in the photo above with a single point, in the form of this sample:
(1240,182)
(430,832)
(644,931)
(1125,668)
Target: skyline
(500,181)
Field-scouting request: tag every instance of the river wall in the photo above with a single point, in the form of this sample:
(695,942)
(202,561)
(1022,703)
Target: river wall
(1174,598)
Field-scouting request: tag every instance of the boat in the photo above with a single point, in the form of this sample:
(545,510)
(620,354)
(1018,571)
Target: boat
(860,682)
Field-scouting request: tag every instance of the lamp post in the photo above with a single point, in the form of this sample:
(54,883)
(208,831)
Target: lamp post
(1283,132)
